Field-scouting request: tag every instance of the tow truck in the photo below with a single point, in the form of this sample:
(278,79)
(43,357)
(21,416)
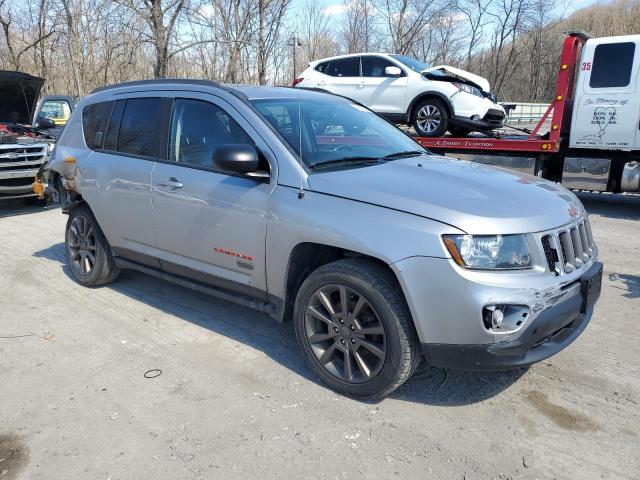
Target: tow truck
(592,141)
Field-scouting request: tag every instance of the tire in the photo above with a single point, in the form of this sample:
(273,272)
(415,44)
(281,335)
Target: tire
(370,351)
(459,131)
(430,118)
(88,253)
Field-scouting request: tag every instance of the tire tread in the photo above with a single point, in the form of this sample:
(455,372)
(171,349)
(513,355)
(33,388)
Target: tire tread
(386,284)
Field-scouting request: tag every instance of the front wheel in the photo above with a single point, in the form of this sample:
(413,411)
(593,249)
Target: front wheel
(430,118)
(354,328)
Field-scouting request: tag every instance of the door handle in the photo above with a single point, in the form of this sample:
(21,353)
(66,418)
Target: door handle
(361,85)
(172,182)
(321,83)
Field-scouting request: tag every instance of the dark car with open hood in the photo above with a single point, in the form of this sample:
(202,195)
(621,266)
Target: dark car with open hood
(28,130)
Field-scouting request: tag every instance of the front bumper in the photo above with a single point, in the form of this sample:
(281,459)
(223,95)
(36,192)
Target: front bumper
(492,119)
(548,334)
(446,304)
(16,183)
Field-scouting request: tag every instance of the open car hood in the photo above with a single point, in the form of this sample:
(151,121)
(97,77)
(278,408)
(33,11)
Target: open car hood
(466,77)
(19,93)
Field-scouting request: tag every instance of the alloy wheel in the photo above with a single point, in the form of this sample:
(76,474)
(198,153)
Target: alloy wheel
(345,333)
(428,118)
(82,245)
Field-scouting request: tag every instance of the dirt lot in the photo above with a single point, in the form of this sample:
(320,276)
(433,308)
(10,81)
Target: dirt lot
(234,400)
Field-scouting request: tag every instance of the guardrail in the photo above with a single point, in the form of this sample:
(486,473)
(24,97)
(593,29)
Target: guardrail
(518,112)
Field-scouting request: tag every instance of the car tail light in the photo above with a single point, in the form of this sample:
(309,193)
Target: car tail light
(296,81)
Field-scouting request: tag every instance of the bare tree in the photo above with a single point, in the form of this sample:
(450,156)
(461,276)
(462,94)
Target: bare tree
(406,20)
(315,30)
(270,14)
(17,42)
(78,45)
(508,17)
(475,14)
(160,17)
(360,31)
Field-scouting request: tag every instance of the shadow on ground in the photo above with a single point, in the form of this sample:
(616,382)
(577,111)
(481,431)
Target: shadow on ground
(433,386)
(630,284)
(621,206)
(22,206)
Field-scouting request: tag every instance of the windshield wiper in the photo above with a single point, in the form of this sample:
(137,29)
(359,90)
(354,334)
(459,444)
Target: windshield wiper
(346,161)
(406,153)
(366,160)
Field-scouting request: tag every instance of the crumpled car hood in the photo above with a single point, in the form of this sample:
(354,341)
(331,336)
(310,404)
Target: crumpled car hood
(475,198)
(483,83)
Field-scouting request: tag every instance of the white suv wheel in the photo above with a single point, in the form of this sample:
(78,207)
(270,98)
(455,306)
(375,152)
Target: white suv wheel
(429,118)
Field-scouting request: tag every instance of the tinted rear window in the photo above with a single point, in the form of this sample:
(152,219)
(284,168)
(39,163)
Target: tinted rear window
(138,127)
(94,123)
(111,140)
(612,65)
(344,67)
(322,67)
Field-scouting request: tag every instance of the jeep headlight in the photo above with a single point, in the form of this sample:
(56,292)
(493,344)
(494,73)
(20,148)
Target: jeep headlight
(488,252)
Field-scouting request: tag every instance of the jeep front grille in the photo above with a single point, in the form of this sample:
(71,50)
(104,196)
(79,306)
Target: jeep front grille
(568,248)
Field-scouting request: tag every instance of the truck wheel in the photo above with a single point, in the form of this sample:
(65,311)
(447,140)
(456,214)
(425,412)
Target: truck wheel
(88,253)
(459,131)
(354,328)
(430,118)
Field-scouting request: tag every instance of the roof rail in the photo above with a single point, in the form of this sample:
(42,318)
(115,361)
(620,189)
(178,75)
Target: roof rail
(158,81)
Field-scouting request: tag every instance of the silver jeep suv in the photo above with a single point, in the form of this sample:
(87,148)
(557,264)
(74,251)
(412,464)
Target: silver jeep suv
(310,207)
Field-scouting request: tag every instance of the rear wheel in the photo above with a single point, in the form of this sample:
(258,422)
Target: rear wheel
(354,328)
(88,253)
(430,118)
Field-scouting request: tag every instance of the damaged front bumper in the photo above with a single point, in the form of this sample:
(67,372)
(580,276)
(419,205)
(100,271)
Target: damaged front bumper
(447,306)
(493,119)
(550,332)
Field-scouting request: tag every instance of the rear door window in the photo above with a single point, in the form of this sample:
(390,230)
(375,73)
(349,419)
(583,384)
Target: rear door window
(139,127)
(612,65)
(344,67)
(322,67)
(95,118)
(111,139)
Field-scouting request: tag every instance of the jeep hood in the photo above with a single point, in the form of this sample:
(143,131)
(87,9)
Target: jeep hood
(475,198)
(466,77)
(19,93)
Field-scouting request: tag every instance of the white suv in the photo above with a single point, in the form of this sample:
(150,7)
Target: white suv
(404,90)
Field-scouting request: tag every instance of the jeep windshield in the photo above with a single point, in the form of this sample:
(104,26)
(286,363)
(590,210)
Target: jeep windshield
(333,132)
(412,63)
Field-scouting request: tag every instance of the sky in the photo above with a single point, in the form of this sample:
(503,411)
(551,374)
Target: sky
(337,7)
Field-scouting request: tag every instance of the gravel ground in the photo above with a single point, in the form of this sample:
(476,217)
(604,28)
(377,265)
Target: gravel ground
(235,401)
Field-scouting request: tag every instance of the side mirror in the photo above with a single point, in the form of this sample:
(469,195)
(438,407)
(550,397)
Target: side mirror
(238,158)
(45,123)
(392,71)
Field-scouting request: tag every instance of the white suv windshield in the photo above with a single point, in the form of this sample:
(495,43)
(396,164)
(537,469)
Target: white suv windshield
(335,132)
(412,63)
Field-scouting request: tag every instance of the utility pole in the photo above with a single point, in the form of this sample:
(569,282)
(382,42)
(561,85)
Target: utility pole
(294,42)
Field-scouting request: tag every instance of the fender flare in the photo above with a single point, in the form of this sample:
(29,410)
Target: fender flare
(421,96)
